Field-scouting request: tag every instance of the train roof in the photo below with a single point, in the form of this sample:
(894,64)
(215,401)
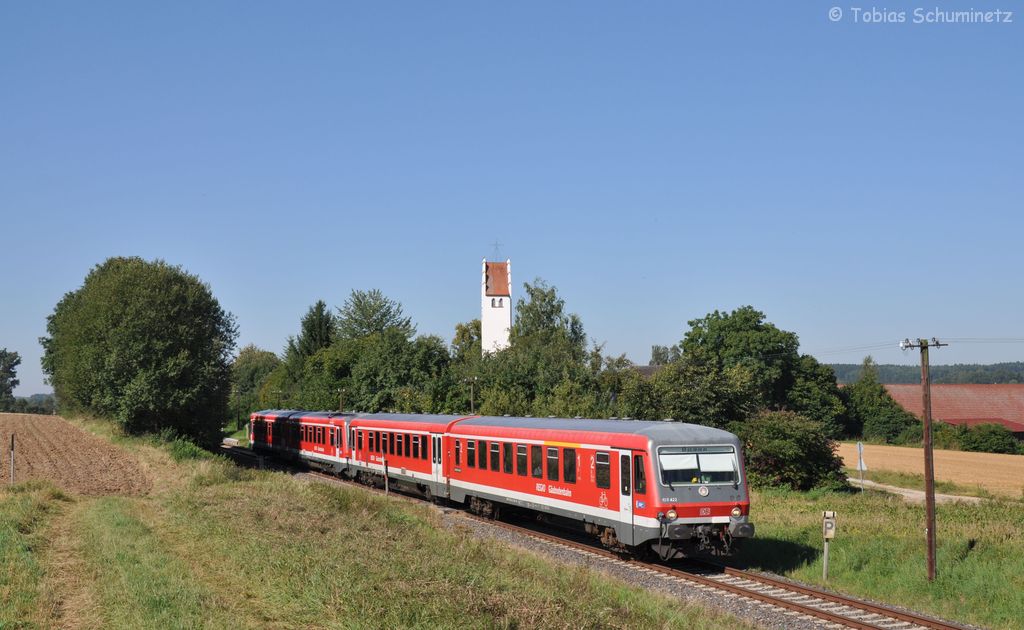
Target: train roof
(662,431)
(659,430)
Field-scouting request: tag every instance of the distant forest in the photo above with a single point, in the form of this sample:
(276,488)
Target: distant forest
(959,373)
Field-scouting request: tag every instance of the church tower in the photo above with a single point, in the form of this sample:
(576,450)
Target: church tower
(495,305)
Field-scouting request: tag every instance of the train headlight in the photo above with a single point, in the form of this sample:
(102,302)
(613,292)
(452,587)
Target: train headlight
(670,515)
(737,512)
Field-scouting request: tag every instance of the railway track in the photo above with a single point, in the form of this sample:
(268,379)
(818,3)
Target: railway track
(831,608)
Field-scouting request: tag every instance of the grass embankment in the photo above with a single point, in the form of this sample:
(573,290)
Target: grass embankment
(213,545)
(879,551)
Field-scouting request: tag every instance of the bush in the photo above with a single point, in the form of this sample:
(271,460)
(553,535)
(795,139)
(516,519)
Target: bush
(786,449)
(182,449)
(146,344)
(990,438)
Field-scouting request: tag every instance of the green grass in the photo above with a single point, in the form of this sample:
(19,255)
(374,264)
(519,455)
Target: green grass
(916,482)
(25,509)
(137,583)
(879,551)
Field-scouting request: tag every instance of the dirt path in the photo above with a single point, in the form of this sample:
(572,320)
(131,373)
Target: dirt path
(49,447)
(999,474)
(914,496)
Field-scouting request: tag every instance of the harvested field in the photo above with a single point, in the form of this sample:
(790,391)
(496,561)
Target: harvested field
(1002,475)
(50,448)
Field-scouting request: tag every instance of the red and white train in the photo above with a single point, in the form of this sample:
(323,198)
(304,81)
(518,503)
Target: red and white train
(667,487)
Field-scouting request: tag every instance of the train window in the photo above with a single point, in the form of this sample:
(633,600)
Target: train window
(416,446)
(521,459)
(481,448)
(401,443)
(639,477)
(604,471)
(536,457)
(471,453)
(423,451)
(319,435)
(569,464)
(458,453)
(385,438)
(495,457)
(359,440)
(371,441)
(408,446)
(393,447)
(624,485)
(507,456)
(553,464)
(712,464)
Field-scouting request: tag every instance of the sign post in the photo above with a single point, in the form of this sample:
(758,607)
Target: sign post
(12,459)
(828,532)
(861,466)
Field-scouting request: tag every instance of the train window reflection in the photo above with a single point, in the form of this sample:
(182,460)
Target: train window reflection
(685,466)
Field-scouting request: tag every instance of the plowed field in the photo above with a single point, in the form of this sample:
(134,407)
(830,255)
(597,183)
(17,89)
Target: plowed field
(999,474)
(49,447)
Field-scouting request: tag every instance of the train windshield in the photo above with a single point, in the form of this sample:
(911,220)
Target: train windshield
(705,464)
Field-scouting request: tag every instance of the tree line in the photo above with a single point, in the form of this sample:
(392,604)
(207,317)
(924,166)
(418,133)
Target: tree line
(960,373)
(147,345)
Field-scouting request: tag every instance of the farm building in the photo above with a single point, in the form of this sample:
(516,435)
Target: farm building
(968,405)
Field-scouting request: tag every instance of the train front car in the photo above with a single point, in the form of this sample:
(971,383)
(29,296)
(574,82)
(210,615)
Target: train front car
(701,502)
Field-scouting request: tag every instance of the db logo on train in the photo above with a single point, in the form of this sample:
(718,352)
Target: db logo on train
(705,511)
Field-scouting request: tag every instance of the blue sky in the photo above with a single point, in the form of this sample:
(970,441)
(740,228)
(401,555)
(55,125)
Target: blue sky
(858,182)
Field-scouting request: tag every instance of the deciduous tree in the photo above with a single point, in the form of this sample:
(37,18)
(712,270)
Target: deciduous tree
(872,411)
(144,343)
(249,371)
(744,338)
(9,362)
(785,449)
(368,312)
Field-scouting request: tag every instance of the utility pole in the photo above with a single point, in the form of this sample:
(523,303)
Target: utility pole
(929,462)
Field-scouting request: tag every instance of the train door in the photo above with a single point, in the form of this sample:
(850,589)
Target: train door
(436,459)
(625,533)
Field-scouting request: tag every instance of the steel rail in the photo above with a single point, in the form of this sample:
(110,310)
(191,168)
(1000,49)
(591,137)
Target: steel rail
(699,579)
(878,609)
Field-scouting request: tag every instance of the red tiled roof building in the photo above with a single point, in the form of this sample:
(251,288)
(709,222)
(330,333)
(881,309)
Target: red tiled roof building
(967,404)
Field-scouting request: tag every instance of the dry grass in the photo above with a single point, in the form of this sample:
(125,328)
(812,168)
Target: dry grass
(1002,475)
